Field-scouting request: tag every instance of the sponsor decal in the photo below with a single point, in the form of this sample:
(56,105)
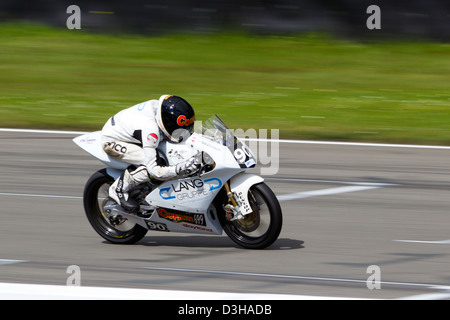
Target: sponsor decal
(243,203)
(193,218)
(188,185)
(197,227)
(164,193)
(184,121)
(117,147)
(214,187)
(152,137)
(189,189)
(141,106)
(88,140)
(250,163)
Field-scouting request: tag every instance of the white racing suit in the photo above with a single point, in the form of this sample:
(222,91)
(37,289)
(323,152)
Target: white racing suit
(132,136)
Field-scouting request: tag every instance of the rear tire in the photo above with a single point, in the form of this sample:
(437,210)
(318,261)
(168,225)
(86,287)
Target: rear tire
(95,191)
(259,229)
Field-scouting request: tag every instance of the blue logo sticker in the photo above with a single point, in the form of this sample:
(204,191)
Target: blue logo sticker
(166,190)
(214,187)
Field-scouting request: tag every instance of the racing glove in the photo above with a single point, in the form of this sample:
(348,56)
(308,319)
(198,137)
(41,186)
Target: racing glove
(190,166)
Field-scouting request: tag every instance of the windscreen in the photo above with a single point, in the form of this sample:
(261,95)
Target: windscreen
(216,130)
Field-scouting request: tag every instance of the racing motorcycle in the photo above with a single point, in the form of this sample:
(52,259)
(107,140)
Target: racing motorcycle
(221,196)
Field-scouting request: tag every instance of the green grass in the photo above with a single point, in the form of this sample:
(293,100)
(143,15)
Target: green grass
(308,86)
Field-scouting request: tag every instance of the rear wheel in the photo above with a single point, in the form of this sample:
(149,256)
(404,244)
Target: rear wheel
(262,226)
(95,197)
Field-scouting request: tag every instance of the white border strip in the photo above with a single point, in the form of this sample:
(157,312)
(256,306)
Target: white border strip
(14,291)
(336,143)
(19,291)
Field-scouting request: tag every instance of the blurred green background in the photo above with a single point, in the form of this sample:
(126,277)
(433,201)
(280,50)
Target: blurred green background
(309,85)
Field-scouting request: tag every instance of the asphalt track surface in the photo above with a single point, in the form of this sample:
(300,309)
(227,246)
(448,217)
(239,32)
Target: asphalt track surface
(346,207)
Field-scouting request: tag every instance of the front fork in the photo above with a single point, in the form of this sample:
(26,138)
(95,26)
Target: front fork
(232,208)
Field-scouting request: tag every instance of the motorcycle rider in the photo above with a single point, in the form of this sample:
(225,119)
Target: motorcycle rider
(133,135)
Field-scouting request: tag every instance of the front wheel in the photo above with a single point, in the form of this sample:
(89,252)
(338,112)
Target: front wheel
(260,228)
(96,195)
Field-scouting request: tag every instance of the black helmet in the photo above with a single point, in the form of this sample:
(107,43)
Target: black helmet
(175,113)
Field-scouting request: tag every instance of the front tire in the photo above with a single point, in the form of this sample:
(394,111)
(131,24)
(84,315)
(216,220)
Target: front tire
(94,197)
(261,228)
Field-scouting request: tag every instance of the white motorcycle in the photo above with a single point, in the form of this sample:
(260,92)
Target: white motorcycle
(220,197)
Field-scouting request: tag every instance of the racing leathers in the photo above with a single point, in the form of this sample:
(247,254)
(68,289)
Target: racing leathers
(132,136)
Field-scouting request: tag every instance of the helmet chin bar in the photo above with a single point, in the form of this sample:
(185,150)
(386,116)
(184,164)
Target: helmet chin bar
(173,139)
(180,135)
(176,138)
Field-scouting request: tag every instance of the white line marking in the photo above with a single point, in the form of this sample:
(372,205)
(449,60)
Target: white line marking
(38,195)
(323,192)
(421,241)
(337,143)
(265,275)
(286,197)
(356,144)
(8,261)
(294,277)
(369,184)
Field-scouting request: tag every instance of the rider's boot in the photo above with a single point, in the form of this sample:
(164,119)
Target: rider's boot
(119,190)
